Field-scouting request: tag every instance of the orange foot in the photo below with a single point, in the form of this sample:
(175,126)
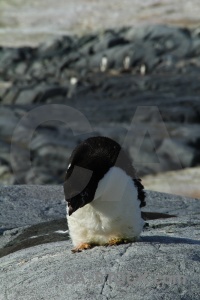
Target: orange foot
(81,247)
(117,241)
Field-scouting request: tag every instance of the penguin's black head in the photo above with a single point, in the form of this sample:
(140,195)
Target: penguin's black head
(89,162)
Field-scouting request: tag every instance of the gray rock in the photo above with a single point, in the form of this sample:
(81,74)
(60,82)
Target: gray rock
(28,205)
(21,68)
(10,95)
(6,58)
(196,47)
(26,96)
(181,114)
(178,153)
(38,174)
(47,94)
(163,38)
(8,121)
(4,153)
(29,94)
(53,156)
(4,86)
(104,40)
(164,264)
(5,175)
(45,139)
(60,44)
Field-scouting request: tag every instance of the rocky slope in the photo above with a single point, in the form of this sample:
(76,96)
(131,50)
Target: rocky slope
(138,86)
(30,22)
(36,260)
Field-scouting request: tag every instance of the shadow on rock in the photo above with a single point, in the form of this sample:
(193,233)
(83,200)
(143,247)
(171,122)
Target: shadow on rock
(168,240)
(47,232)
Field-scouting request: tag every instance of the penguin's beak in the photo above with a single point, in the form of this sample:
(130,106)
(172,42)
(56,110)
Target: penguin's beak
(77,203)
(70,210)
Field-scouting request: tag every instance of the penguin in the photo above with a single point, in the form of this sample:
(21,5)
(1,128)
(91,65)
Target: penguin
(104,195)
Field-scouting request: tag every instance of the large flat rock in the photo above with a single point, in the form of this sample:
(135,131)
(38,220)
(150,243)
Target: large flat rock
(23,205)
(151,269)
(164,264)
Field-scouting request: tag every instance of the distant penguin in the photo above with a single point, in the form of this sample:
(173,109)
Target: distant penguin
(104,63)
(103,194)
(127,63)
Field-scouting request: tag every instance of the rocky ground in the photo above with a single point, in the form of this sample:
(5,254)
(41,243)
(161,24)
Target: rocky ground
(36,260)
(30,22)
(138,86)
(181,182)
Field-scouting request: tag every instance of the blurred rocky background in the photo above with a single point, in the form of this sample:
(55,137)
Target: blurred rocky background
(105,60)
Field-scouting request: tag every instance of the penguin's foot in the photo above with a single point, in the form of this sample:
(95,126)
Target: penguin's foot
(81,247)
(118,241)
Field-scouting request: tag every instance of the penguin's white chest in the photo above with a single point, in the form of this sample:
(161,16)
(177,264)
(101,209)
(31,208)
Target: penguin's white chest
(113,214)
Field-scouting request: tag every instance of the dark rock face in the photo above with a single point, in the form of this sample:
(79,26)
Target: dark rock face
(106,77)
(36,253)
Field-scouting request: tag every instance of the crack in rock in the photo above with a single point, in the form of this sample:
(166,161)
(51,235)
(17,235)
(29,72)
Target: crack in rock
(103,286)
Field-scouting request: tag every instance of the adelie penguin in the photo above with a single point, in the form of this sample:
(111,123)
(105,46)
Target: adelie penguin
(104,195)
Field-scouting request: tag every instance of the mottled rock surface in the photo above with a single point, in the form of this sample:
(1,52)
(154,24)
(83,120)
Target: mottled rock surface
(163,264)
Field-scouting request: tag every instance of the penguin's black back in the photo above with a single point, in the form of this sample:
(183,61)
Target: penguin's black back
(99,154)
